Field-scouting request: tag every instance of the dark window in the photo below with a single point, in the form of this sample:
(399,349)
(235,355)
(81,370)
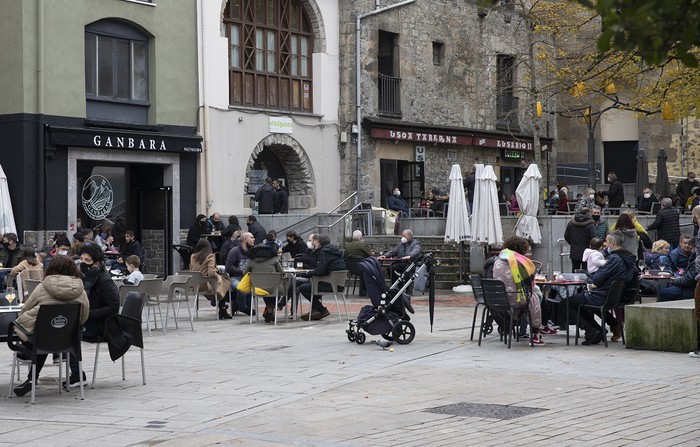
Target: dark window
(438,53)
(270,45)
(388,79)
(506,102)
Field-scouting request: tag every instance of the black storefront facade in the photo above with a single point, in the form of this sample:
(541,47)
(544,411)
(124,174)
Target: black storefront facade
(68,173)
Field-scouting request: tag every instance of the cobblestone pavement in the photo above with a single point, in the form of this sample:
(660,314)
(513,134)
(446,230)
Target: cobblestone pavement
(303,383)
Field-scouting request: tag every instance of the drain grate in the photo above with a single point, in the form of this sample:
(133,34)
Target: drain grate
(491,411)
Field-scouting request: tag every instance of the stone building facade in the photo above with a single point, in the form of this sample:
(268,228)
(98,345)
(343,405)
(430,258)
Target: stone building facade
(438,85)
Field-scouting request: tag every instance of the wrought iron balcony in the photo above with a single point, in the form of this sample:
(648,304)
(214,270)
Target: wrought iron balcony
(389,95)
(507,111)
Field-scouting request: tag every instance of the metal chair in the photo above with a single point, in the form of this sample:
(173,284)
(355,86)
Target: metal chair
(57,330)
(152,288)
(538,266)
(194,285)
(23,289)
(30,285)
(185,252)
(496,301)
(336,280)
(129,321)
(612,300)
(174,292)
(479,298)
(270,282)
(354,273)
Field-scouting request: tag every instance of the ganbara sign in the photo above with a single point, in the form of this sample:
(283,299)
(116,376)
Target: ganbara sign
(97,197)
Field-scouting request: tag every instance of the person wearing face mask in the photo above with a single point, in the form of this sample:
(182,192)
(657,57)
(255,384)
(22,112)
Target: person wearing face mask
(578,234)
(552,202)
(104,301)
(236,262)
(198,227)
(646,200)
(328,259)
(406,251)
(60,247)
(10,253)
(256,229)
(685,187)
(587,200)
(616,193)
(395,203)
(600,224)
(667,224)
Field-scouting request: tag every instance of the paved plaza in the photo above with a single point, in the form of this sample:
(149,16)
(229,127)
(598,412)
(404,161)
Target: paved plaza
(304,384)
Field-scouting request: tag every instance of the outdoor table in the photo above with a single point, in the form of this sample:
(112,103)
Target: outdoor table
(8,314)
(660,279)
(563,288)
(387,263)
(292,273)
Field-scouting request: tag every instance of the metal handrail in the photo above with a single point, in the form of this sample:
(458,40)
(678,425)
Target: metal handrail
(313,216)
(341,203)
(341,217)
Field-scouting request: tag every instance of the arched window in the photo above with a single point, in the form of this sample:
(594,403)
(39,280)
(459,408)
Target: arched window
(270,45)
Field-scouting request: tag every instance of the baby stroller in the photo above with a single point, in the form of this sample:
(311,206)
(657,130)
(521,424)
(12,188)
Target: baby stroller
(387,316)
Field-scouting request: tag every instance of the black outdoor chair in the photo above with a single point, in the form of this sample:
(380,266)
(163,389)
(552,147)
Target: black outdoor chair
(496,302)
(355,274)
(128,321)
(57,330)
(612,301)
(479,298)
(185,252)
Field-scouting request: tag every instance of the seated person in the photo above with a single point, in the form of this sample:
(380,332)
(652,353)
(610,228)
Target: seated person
(552,202)
(514,205)
(437,200)
(132,265)
(295,245)
(328,259)
(61,285)
(355,252)
(646,200)
(29,262)
(233,241)
(593,257)
(521,290)
(236,262)
(406,251)
(621,264)
(658,255)
(272,242)
(131,247)
(263,258)
(682,288)
(679,256)
(395,203)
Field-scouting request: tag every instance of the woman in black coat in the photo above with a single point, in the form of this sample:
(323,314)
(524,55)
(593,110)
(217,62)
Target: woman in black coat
(579,232)
(199,226)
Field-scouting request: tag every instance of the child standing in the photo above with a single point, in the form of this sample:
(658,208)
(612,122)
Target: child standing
(135,276)
(593,256)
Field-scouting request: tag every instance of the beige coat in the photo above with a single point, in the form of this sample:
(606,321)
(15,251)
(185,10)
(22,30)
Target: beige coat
(54,289)
(208,268)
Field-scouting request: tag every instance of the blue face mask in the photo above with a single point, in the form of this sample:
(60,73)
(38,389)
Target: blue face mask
(608,250)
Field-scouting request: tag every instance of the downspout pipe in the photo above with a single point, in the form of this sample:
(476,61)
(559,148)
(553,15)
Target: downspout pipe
(205,159)
(42,206)
(358,81)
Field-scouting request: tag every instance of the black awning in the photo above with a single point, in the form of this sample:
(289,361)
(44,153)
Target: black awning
(127,140)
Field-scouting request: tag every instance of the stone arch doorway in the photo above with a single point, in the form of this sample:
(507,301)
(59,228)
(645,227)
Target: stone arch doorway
(282,157)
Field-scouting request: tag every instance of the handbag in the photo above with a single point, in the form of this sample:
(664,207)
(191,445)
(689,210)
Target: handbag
(246,286)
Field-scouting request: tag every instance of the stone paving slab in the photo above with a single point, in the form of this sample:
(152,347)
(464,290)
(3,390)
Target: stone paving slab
(303,383)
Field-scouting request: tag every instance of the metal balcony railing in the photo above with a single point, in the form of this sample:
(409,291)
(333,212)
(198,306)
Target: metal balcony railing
(507,111)
(389,95)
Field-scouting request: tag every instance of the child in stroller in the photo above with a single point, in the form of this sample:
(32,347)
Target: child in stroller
(387,316)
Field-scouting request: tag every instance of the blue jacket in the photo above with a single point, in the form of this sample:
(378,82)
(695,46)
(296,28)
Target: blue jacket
(679,260)
(396,204)
(652,260)
(621,265)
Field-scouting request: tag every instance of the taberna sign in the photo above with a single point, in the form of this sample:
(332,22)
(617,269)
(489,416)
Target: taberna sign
(123,140)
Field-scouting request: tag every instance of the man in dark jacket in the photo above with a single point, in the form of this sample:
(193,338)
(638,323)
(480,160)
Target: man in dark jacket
(646,201)
(616,193)
(682,288)
(395,203)
(281,198)
(266,196)
(131,247)
(666,224)
(236,262)
(259,233)
(685,188)
(578,234)
(10,254)
(620,264)
(104,301)
(680,256)
(328,259)
(295,245)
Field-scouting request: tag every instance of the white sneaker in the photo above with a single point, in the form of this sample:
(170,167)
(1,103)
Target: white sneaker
(695,354)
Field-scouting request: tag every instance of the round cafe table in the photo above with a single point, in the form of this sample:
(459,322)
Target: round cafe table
(565,289)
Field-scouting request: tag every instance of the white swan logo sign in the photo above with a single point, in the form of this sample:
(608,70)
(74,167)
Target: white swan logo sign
(97,197)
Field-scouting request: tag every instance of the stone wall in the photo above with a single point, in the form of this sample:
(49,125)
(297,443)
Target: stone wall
(152,242)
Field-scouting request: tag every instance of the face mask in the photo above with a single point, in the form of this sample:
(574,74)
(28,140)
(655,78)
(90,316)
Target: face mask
(595,217)
(556,196)
(63,252)
(85,267)
(646,196)
(609,180)
(404,240)
(591,196)
(310,245)
(397,193)
(608,250)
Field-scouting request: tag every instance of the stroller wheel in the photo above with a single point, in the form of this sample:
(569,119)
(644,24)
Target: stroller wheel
(360,338)
(404,332)
(351,336)
(389,336)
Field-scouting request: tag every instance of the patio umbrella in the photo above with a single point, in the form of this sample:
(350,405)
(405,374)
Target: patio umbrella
(7,217)
(528,198)
(457,227)
(642,180)
(486,217)
(662,186)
